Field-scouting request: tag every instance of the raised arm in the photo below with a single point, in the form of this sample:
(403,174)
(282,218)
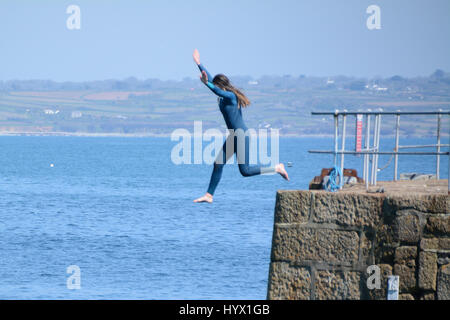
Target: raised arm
(207,79)
(196,56)
(202,68)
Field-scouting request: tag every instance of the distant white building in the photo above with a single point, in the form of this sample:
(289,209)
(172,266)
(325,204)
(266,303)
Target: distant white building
(50,111)
(330,81)
(375,87)
(76,114)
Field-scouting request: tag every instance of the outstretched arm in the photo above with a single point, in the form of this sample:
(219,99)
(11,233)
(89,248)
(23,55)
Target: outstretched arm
(207,78)
(220,92)
(196,56)
(215,89)
(202,68)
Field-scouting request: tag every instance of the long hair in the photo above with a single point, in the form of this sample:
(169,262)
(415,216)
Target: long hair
(224,83)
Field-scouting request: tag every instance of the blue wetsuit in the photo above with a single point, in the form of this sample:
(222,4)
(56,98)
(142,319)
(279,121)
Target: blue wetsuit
(228,105)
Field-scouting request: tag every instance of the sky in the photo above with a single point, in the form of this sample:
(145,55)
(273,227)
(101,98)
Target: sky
(155,38)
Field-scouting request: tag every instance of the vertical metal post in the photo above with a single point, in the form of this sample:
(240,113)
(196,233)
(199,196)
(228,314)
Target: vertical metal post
(336,123)
(344,118)
(366,156)
(378,148)
(397,136)
(438,157)
(375,131)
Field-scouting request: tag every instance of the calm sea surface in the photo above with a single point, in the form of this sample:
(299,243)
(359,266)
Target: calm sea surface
(122,211)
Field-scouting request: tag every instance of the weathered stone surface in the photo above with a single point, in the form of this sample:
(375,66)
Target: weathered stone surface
(288,282)
(385,244)
(292,206)
(443,258)
(405,296)
(403,255)
(281,243)
(405,267)
(427,270)
(337,285)
(435,244)
(385,234)
(431,203)
(438,225)
(428,296)
(381,294)
(384,254)
(313,230)
(386,271)
(408,226)
(367,256)
(298,244)
(443,283)
(347,209)
(407,274)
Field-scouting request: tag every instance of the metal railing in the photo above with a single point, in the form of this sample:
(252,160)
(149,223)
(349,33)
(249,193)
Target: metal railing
(371,151)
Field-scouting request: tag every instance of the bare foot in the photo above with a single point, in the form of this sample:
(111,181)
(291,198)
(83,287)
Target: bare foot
(282,171)
(206,198)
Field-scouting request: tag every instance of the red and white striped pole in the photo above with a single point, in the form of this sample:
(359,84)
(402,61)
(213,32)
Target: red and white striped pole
(359,127)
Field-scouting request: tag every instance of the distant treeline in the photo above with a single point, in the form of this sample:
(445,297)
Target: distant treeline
(438,81)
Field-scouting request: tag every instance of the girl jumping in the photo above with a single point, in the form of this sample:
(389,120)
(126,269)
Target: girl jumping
(231,102)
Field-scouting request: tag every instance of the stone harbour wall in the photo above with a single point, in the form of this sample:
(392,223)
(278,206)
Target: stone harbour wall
(324,242)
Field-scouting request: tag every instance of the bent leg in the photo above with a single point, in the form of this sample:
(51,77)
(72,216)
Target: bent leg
(243,157)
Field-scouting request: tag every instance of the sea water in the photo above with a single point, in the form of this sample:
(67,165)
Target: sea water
(122,212)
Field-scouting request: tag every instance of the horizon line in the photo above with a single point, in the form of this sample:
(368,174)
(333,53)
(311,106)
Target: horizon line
(233,76)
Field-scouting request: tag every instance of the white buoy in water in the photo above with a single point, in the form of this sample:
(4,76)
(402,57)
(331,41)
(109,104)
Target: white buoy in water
(51,165)
(289,164)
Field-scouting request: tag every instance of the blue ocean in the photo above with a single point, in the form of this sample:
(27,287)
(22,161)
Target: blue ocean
(120,210)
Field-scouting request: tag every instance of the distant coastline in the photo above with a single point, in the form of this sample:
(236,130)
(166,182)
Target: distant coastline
(153,108)
(130,135)
(167,135)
